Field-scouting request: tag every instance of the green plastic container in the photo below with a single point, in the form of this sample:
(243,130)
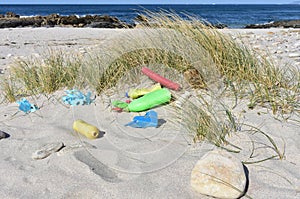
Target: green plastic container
(150,100)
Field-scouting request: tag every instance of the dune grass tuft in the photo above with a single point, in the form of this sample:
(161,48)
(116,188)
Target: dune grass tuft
(203,122)
(259,80)
(35,76)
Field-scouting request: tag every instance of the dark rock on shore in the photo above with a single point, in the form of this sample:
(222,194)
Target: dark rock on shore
(220,26)
(3,135)
(22,22)
(277,24)
(105,21)
(11,20)
(11,15)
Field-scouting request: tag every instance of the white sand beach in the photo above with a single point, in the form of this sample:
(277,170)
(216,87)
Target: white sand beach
(126,162)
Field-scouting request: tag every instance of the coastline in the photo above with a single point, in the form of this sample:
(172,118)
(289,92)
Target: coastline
(237,15)
(13,20)
(77,175)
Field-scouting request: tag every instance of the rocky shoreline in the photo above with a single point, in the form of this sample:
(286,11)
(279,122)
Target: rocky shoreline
(12,20)
(276,24)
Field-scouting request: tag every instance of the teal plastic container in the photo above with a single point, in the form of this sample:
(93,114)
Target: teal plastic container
(150,100)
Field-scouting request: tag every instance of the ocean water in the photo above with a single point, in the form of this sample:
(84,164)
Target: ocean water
(235,16)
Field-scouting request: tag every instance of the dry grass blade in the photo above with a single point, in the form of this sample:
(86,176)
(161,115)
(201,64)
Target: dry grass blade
(273,146)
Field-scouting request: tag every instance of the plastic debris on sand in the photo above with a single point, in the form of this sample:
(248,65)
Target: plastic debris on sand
(148,120)
(75,97)
(26,106)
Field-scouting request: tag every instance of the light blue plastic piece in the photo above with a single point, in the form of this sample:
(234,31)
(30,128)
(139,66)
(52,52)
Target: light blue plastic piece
(75,97)
(26,107)
(149,120)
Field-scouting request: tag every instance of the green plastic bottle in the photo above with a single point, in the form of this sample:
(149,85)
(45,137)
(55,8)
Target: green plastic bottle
(149,100)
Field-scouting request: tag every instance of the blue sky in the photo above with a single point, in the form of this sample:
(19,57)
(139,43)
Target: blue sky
(144,1)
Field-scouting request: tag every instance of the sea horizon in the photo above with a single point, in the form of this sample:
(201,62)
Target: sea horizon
(152,4)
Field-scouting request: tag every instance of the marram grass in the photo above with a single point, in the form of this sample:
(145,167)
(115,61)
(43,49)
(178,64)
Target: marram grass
(36,76)
(259,79)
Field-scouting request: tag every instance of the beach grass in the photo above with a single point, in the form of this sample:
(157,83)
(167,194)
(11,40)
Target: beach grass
(9,89)
(42,76)
(257,79)
(230,67)
(206,122)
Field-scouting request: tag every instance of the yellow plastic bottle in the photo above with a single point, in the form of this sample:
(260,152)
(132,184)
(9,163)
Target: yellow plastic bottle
(86,129)
(135,93)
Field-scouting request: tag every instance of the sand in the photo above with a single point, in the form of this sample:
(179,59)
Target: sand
(127,162)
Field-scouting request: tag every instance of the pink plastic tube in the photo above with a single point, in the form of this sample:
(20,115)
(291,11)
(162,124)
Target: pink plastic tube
(163,81)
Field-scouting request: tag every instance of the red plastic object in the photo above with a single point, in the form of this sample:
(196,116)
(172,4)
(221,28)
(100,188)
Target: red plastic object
(163,81)
(119,110)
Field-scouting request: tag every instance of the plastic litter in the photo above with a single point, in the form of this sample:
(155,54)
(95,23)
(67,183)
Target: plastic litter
(75,97)
(86,129)
(135,93)
(150,100)
(163,81)
(120,104)
(148,120)
(27,107)
(119,110)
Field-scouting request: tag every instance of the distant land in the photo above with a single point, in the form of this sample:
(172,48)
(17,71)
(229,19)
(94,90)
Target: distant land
(295,2)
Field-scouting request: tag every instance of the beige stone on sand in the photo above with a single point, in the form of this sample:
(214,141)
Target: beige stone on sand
(219,174)
(47,150)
